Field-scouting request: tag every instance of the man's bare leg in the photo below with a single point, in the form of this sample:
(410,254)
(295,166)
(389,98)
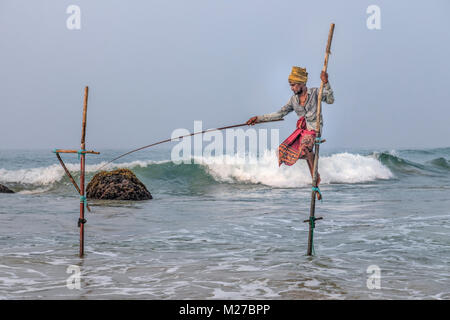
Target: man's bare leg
(310,161)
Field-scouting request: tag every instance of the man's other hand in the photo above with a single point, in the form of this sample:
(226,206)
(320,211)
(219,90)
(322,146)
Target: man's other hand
(324,77)
(252,121)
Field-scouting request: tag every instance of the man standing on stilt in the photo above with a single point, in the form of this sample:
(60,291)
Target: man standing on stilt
(300,144)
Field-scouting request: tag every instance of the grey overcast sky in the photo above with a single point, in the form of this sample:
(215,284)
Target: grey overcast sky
(154,66)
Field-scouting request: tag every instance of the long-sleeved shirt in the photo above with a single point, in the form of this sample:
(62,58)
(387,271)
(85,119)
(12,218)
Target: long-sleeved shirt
(309,111)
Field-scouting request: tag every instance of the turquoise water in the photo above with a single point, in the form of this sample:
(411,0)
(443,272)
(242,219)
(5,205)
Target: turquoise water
(231,229)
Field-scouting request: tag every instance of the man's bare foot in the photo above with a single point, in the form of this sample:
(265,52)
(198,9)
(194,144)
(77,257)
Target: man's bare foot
(319,197)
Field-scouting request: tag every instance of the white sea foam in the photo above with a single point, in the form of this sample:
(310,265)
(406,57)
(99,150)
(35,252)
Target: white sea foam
(247,288)
(37,176)
(44,176)
(35,191)
(337,168)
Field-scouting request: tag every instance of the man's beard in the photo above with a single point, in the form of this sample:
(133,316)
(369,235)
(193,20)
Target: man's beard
(299,92)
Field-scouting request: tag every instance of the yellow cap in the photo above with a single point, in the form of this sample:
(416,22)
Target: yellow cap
(298,75)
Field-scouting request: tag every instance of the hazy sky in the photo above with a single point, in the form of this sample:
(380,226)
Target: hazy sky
(154,66)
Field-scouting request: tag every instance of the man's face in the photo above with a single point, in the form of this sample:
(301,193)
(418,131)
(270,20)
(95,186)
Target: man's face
(296,87)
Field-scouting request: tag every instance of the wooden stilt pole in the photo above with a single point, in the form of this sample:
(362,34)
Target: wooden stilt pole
(312,217)
(82,221)
(82,155)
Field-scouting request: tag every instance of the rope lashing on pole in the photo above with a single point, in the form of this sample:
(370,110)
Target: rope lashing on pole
(312,225)
(319,140)
(180,137)
(81,221)
(80,152)
(83,200)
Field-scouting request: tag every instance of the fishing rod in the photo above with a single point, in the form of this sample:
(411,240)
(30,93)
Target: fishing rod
(188,135)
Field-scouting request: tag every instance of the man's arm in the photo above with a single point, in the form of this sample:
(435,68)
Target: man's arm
(272,116)
(327,93)
(277,115)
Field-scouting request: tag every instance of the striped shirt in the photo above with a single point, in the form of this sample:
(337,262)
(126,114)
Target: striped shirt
(309,111)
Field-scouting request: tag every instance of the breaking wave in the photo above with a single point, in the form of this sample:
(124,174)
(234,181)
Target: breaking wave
(344,168)
(402,166)
(337,168)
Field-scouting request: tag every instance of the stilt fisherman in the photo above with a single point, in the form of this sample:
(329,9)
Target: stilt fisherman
(299,145)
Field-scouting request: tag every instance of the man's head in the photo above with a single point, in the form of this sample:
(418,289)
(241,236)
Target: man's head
(297,87)
(297,79)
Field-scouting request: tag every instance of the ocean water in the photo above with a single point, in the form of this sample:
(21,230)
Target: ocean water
(230,229)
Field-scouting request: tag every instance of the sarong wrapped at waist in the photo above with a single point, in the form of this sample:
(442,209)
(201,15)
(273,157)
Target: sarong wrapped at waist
(297,145)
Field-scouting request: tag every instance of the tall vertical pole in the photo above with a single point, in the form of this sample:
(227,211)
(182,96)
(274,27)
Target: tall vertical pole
(82,169)
(316,154)
(82,157)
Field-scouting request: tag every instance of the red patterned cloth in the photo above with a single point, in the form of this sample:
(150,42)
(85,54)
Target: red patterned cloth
(297,145)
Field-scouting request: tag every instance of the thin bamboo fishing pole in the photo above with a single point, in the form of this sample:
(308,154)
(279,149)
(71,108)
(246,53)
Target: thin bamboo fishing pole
(312,217)
(188,135)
